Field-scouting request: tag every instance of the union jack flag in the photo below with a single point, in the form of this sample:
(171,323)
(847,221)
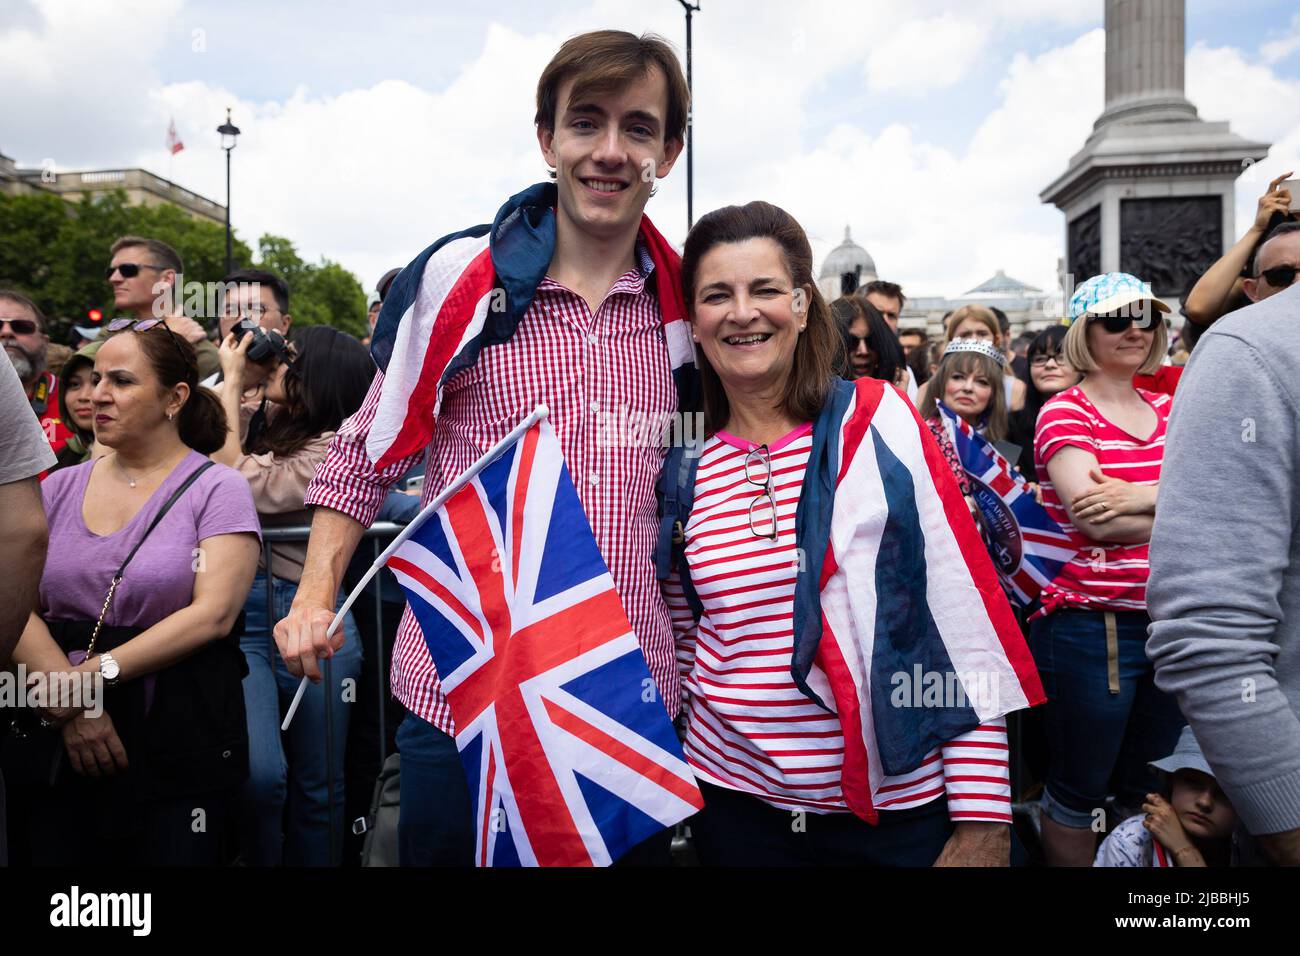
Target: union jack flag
(569,752)
(1028,548)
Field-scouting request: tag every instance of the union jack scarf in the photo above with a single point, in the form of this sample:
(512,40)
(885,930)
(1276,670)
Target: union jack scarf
(470,290)
(893,577)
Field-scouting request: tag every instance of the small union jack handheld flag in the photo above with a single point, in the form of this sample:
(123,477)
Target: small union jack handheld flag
(569,752)
(1028,548)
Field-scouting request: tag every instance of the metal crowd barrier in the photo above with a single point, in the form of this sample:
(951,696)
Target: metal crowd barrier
(380,534)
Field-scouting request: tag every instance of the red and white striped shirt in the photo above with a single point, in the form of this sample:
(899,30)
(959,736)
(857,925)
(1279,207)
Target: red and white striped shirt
(750,726)
(596,373)
(1101,576)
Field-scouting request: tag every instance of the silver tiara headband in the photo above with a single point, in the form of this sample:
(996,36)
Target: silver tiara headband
(976,345)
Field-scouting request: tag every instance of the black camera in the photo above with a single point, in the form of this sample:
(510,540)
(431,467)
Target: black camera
(268,346)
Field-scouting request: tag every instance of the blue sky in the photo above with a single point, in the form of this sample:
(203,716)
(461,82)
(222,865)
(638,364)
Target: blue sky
(370,128)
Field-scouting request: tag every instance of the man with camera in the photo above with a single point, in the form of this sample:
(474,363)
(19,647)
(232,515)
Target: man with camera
(255,302)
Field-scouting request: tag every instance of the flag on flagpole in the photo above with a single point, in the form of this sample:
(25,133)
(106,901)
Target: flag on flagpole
(568,749)
(1028,547)
(174,144)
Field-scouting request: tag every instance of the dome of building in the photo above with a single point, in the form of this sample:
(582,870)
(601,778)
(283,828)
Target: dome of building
(1002,284)
(848,256)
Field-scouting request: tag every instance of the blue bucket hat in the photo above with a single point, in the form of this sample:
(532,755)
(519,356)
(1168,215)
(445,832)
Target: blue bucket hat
(1186,756)
(1110,292)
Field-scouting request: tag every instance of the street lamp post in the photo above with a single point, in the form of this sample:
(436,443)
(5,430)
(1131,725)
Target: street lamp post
(229,134)
(690,8)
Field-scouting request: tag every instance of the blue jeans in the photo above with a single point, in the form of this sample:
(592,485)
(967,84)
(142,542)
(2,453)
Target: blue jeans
(1105,718)
(301,776)
(435,821)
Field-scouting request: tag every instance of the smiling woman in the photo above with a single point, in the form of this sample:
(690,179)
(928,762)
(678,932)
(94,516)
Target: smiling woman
(762,324)
(757,510)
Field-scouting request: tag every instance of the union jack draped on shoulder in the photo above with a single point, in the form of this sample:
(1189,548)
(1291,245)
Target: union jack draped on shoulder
(905,581)
(469,290)
(893,577)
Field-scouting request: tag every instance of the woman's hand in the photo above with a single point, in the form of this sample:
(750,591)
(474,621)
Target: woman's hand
(59,711)
(1111,497)
(94,749)
(1037,491)
(1162,820)
(234,360)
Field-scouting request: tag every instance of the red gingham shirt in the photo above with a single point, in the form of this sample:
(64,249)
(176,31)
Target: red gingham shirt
(596,373)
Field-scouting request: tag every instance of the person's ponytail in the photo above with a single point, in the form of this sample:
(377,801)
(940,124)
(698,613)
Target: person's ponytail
(202,423)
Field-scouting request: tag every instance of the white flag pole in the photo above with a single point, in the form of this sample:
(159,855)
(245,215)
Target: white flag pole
(538,413)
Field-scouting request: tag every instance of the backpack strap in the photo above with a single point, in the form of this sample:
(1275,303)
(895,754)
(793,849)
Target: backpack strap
(676,493)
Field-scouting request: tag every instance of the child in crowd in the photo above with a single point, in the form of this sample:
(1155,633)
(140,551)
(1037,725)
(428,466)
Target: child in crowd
(1191,824)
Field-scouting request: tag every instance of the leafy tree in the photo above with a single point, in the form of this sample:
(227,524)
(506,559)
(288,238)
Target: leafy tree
(55,252)
(324,294)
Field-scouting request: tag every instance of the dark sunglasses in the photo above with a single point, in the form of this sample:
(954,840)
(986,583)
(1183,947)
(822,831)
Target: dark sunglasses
(129,270)
(1280,277)
(1120,323)
(19,326)
(855,340)
(144,325)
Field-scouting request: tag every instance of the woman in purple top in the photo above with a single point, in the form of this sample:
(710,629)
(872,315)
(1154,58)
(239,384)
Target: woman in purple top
(155,752)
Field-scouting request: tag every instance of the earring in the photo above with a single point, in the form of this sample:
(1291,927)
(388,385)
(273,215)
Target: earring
(170,416)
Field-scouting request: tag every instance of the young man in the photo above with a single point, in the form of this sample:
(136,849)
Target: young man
(887,297)
(143,274)
(258,295)
(585,333)
(262,297)
(911,340)
(25,341)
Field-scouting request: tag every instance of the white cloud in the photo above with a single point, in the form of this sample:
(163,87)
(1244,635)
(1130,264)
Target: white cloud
(941,220)
(1280,49)
(369,176)
(1261,105)
(927,54)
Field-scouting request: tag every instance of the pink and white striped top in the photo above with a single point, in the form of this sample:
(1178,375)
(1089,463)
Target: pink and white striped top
(750,728)
(1101,576)
(598,373)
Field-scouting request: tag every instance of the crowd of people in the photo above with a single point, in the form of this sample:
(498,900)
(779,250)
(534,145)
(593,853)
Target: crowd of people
(1155,680)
